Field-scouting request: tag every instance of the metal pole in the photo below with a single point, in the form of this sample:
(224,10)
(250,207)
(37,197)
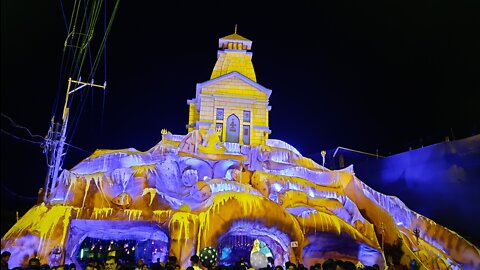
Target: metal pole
(58,150)
(50,146)
(60,138)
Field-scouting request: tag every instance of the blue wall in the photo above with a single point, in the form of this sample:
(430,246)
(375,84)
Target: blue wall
(441,182)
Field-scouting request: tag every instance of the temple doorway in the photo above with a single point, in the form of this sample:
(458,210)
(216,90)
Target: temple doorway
(233,129)
(245,238)
(127,240)
(233,248)
(127,251)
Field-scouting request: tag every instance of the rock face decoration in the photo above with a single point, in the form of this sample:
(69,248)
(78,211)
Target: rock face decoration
(123,200)
(194,200)
(191,142)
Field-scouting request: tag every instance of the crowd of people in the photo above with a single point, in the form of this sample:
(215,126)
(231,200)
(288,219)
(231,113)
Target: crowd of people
(113,263)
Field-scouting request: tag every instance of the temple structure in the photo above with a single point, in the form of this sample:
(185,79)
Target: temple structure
(227,185)
(232,100)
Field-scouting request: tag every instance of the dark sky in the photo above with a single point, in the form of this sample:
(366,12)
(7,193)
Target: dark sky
(371,75)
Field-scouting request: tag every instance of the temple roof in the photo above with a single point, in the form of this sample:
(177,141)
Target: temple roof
(235,36)
(235,41)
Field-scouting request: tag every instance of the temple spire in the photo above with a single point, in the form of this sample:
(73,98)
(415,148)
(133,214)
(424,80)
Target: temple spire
(234,55)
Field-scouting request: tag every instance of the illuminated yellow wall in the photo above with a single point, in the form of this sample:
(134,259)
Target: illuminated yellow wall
(192,116)
(234,61)
(233,88)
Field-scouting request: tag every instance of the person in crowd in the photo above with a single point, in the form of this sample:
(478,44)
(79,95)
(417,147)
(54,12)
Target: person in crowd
(5,257)
(111,263)
(278,267)
(329,264)
(271,263)
(177,267)
(339,264)
(92,262)
(348,265)
(145,267)
(100,265)
(91,267)
(241,265)
(34,263)
(72,266)
(44,267)
(156,266)
(195,262)
(139,265)
(172,261)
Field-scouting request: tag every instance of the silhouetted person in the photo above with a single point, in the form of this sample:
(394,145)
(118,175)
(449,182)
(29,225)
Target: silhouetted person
(34,263)
(195,262)
(5,257)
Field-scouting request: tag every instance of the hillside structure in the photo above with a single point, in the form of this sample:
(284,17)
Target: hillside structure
(227,186)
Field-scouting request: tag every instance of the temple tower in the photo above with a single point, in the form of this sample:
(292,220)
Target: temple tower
(232,101)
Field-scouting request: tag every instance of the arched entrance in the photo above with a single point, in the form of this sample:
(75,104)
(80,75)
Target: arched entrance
(233,129)
(234,214)
(323,245)
(132,239)
(241,238)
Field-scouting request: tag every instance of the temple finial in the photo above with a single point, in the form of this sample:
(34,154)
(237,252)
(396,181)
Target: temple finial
(235,28)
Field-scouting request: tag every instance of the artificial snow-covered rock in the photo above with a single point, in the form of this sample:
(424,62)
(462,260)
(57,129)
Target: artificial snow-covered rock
(197,196)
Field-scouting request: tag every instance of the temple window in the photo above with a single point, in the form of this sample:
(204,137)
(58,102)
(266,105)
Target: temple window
(246,116)
(246,134)
(219,113)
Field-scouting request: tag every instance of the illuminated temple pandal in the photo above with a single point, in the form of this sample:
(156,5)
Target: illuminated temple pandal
(225,184)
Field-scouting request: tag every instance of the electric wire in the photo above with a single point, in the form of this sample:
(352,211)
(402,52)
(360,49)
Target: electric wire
(97,60)
(63,15)
(76,47)
(89,49)
(62,65)
(41,142)
(46,138)
(13,123)
(14,194)
(102,116)
(77,63)
(18,138)
(77,44)
(66,55)
(102,45)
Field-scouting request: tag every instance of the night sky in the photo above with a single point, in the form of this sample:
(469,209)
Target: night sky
(384,75)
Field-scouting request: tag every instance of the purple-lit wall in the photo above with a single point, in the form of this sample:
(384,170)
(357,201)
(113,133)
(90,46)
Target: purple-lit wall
(441,182)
